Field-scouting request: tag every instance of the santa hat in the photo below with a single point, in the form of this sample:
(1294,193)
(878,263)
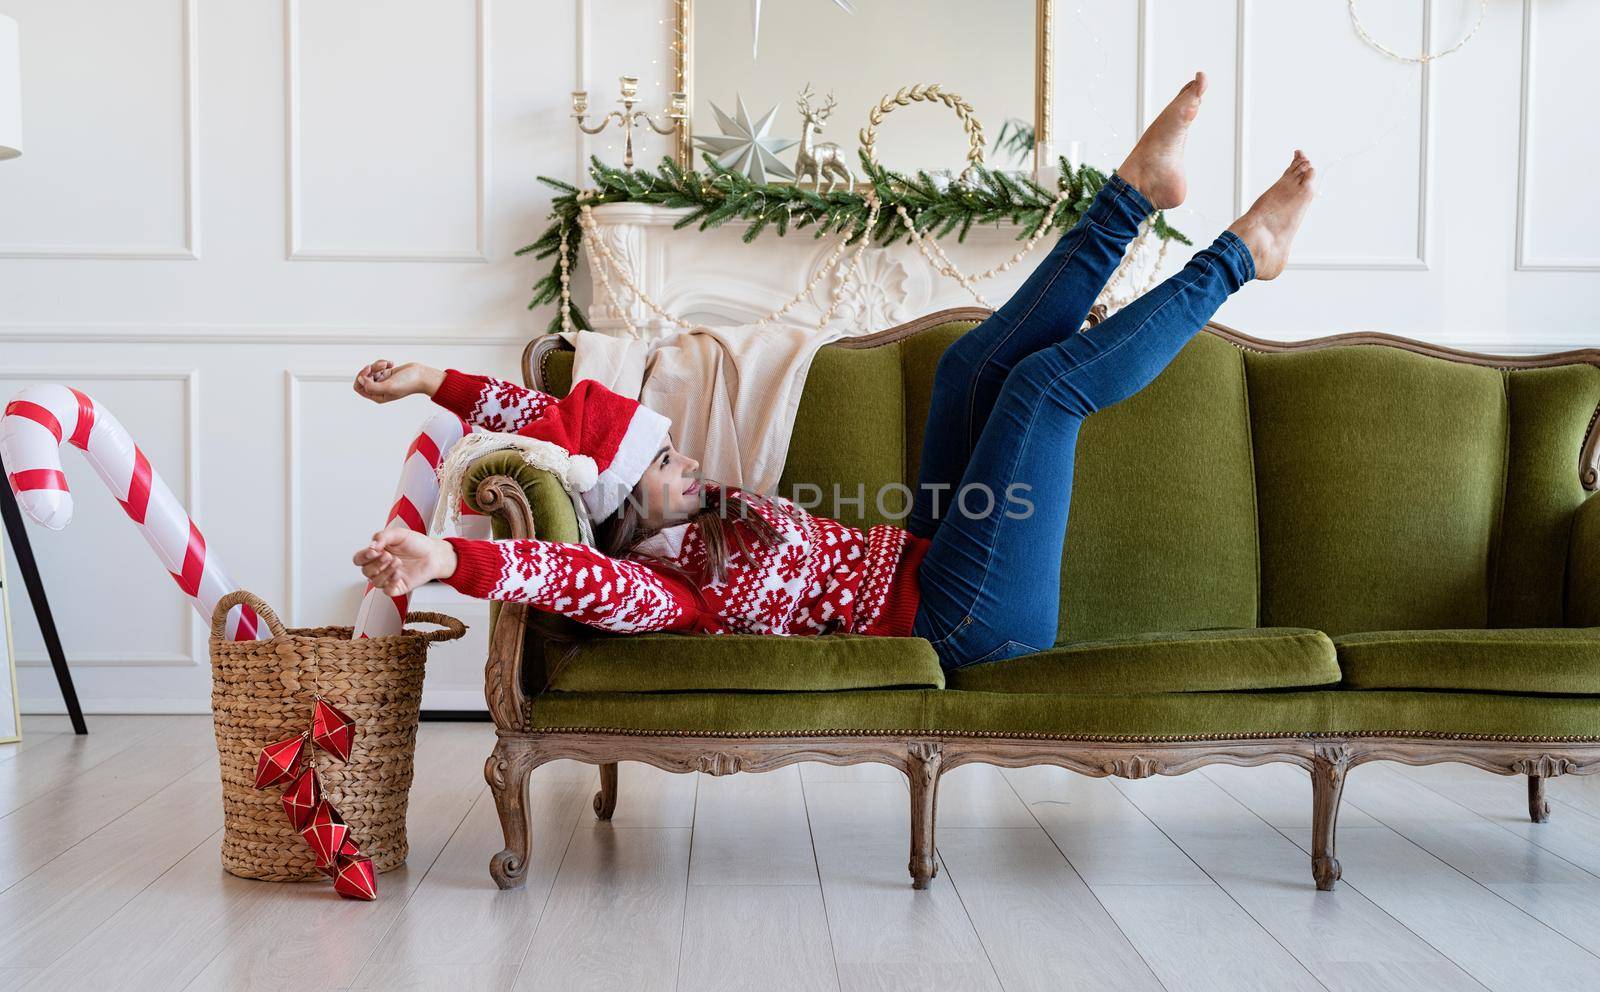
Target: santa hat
(611,440)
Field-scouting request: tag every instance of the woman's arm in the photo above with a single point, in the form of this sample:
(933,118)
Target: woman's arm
(574,580)
(491,403)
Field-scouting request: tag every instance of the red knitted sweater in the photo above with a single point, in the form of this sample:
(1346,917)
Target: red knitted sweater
(822,576)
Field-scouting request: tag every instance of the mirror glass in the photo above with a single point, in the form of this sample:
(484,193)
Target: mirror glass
(985,53)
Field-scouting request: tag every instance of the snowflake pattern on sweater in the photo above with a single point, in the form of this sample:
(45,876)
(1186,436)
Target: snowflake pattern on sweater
(821,576)
(493,404)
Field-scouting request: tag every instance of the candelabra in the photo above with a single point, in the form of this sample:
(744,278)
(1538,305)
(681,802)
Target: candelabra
(677,110)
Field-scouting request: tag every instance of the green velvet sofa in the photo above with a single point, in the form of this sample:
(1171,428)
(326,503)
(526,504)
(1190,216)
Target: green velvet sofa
(1324,552)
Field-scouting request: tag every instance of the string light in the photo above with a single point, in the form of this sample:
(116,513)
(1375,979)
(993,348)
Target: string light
(1105,62)
(1425,57)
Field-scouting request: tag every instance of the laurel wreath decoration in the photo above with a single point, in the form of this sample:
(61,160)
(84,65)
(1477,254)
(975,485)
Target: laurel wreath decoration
(925,93)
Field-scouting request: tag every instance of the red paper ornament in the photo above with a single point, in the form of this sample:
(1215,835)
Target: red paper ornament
(355,879)
(301,797)
(332,731)
(319,821)
(325,833)
(278,760)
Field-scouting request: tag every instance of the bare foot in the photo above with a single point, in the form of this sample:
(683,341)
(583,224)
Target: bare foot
(1155,166)
(1268,227)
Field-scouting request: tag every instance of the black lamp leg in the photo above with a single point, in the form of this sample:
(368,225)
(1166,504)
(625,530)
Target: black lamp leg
(41,605)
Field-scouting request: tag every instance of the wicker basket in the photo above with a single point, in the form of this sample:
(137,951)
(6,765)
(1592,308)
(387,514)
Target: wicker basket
(262,691)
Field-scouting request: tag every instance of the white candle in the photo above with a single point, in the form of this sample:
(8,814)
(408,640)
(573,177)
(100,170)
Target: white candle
(1075,154)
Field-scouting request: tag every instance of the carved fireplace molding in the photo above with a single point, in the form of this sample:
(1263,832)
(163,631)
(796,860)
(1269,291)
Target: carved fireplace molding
(714,277)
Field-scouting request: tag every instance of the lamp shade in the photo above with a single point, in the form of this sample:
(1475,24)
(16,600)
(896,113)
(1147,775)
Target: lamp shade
(10,90)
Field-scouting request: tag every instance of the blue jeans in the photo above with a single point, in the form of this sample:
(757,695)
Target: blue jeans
(1008,400)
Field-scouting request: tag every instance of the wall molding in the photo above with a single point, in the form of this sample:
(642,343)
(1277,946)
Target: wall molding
(1241,193)
(445,336)
(1526,261)
(190,250)
(296,250)
(330,334)
(199,647)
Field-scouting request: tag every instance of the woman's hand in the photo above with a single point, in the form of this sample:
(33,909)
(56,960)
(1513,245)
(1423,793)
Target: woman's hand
(399,560)
(383,380)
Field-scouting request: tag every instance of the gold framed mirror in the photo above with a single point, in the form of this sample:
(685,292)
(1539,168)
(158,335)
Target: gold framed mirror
(997,57)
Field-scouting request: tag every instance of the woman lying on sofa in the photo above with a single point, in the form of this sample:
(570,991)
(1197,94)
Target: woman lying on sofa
(981,582)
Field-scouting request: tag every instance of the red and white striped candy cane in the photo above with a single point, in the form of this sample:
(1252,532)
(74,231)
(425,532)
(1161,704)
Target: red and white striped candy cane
(414,501)
(40,418)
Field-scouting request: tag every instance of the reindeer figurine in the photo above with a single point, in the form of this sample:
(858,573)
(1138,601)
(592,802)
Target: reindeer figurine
(819,159)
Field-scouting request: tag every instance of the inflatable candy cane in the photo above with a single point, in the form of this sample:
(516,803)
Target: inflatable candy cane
(415,499)
(34,425)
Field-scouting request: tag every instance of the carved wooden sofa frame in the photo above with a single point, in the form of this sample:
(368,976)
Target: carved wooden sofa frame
(923,757)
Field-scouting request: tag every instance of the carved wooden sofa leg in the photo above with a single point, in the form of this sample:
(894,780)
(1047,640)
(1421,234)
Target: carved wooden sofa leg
(924,759)
(1538,806)
(507,772)
(605,801)
(1329,763)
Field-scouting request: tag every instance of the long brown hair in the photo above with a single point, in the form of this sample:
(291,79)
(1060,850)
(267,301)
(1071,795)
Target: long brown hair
(620,534)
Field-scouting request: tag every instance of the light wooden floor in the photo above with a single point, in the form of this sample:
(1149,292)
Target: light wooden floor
(109,879)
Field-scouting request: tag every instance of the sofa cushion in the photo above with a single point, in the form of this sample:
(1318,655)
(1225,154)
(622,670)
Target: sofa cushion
(1161,534)
(847,455)
(1179,661)
(744,663)
(1380,474)
(1514,659)
(1551,410)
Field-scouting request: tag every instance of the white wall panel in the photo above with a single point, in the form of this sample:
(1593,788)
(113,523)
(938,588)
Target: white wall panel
(387,129)
(108,122)
(1180,39)
(1362,118)
(1559,198)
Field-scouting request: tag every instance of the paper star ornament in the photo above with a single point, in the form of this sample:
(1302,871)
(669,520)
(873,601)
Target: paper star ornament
(744,146)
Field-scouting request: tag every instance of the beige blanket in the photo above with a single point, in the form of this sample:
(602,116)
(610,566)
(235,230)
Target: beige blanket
(730,392)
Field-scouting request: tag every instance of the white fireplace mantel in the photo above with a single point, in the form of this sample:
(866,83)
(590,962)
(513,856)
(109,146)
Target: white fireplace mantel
(714,277)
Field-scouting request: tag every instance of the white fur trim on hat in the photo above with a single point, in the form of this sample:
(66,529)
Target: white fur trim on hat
(647,430)
(570,469)
(582,473)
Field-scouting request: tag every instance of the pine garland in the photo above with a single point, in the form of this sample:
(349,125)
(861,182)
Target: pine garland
(990,197)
